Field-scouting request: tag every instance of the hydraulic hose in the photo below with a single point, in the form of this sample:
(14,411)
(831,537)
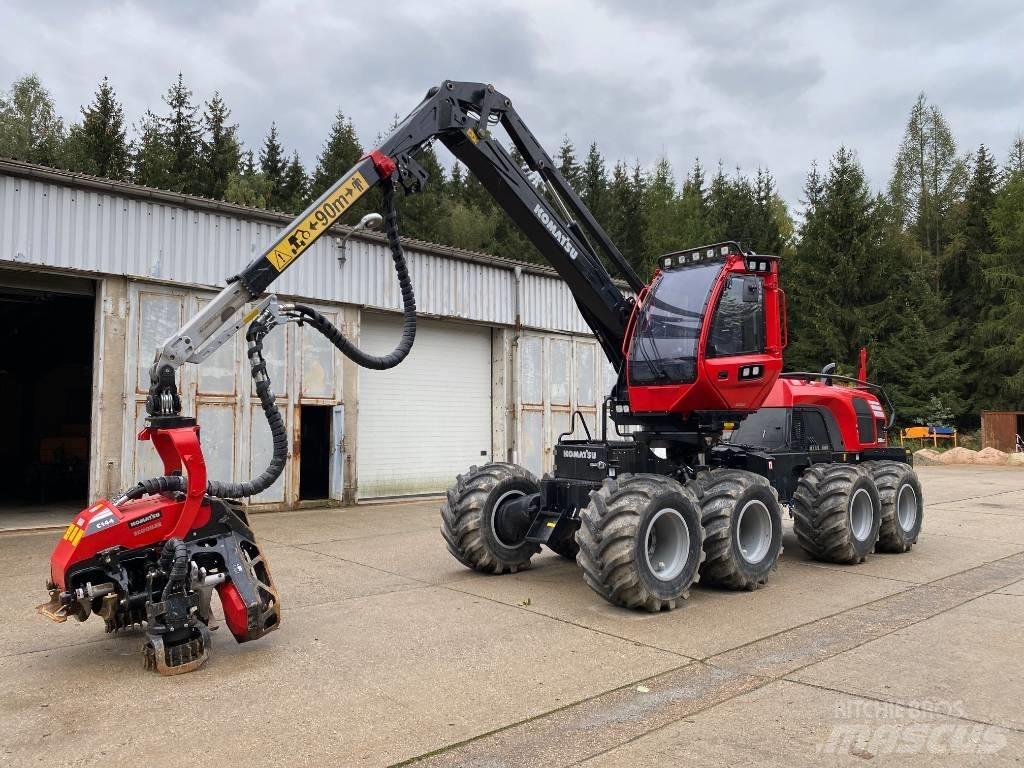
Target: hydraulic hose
(332,334)
(258,329)
(175,557)
(279,435)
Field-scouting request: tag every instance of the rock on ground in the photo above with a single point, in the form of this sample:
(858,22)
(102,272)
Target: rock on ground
(1015,460)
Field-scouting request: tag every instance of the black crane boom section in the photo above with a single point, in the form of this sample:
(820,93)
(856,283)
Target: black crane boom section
(462,116)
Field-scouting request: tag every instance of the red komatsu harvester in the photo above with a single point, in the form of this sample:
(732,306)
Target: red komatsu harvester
(710,437)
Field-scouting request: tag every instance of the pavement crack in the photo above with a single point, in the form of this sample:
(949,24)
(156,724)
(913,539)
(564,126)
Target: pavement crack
(974,498)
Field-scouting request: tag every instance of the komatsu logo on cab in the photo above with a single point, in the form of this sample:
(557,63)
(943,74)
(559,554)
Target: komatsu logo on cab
(570,453)
(555,230)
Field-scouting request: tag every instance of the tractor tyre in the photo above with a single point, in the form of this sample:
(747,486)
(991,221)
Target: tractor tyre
(742,528)
(640,541)
(902,505)
(837,512)
(468,518)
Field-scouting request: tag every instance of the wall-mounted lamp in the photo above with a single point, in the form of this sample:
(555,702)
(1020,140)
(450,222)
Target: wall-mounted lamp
(369,221)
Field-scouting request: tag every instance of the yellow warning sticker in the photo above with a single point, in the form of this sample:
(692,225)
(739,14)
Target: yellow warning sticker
(73,535)
(301,235)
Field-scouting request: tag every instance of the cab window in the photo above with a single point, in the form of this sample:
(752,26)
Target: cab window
(738,324)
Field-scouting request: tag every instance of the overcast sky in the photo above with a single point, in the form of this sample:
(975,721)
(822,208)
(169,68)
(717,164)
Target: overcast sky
(774,84)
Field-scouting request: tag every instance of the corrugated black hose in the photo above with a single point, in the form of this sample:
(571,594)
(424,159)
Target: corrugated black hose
(350,350)
(175,557)
(258,329)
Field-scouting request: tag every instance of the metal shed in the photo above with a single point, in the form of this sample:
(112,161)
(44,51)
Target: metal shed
(124,265)
(1002,429)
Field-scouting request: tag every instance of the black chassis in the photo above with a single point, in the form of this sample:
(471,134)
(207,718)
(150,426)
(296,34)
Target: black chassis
(581,466)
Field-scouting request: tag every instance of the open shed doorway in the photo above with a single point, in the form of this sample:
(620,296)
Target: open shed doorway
(46,380)
(315,455)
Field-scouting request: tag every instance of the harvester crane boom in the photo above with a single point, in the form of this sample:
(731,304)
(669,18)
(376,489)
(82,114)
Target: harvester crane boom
(461,116)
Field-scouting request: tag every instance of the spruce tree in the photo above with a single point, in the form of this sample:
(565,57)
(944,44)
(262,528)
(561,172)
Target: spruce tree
(247,185)
(455,186)
(627,222)
(594,186)
(98,145)
(30,128)
(999,339)
(340,152)
(693,210)
(182,132)
(661,207)
(568,165)
(421,214)
(732,210)
(839,240)
(769,216)
(1015,161)
(910,340)
(294,193)
(272,166)
(963,279)
(151,159)
(222,150)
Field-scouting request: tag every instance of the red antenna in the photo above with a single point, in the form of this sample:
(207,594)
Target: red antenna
(862,374)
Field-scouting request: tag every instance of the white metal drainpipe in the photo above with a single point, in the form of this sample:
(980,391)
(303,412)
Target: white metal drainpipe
(514,389)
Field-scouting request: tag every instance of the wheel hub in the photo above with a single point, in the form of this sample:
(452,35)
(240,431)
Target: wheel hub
(509,521)
(667,544)
(754,531)
(906,508)
(861,514)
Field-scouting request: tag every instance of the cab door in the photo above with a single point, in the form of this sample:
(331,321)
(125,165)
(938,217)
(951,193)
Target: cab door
(740,360)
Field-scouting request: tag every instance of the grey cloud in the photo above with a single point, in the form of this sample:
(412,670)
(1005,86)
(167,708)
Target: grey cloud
(772,83)
(764,80)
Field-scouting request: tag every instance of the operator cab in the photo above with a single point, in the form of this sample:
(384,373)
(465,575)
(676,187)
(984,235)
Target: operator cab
(707,334)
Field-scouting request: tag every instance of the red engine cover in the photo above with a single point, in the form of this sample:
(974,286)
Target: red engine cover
(136,524)
(144,522)
(840,402)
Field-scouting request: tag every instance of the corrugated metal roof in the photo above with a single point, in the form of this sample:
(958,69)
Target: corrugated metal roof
(64,220)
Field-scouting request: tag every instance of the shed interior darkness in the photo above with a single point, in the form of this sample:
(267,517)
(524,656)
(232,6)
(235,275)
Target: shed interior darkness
(46,392)
(315,455)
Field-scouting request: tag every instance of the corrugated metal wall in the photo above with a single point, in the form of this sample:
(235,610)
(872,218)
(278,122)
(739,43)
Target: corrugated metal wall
(47,222)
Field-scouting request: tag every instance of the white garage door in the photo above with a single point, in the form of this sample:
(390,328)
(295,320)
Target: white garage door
(429,419)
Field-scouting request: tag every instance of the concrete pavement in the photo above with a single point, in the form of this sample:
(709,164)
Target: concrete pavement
(390,652)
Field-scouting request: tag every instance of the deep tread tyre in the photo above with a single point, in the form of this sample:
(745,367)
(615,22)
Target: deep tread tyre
(902,505)
(468,512)
(837,512)
(742,528)
(623,518)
